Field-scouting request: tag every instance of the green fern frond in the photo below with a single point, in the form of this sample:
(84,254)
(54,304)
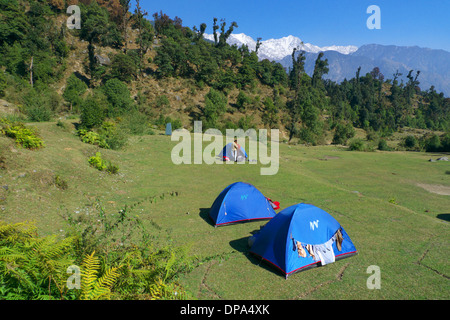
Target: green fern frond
(109,278)
(93,287)
(10,233)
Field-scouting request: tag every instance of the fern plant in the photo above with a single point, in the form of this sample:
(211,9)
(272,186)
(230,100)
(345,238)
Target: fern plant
(26,137)
(32,267)
(94,287)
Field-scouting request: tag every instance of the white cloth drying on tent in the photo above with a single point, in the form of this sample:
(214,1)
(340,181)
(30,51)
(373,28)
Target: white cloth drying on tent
(324,252)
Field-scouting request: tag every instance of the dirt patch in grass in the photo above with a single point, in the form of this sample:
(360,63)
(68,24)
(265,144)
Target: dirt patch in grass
(325,158)
(436,188)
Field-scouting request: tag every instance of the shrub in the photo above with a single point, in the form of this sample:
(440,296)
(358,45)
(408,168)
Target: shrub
(342,133)
(118,97)
(135,123)
(383,146)
(215,106)
(60,183)
(357,145)
(433,144)
(410,142)
(39,102)
(75,88)
(118,258)
(108,136)
(162,121)
(123,67)
(102,165)
(39,113)
(113,136)
(97,162)
(3,84)
(92,113)
(24,136)
(61,124)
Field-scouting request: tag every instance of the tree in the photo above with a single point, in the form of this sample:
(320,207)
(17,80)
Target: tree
(343,132)
(123,67)
(320,68)
(215,106)
(14,24)
(124,20)
(118,97)
(298,68)
(224,35)
(74,90)
(145,36)
(270,115)
(242,101)
(93,111)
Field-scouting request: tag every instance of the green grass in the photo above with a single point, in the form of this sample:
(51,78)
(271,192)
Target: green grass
(394,223)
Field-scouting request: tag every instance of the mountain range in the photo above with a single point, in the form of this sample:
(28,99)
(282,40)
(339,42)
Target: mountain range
(344,61)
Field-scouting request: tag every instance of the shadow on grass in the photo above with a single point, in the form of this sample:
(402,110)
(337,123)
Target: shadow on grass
(444,216)
(204,214)
(241,245)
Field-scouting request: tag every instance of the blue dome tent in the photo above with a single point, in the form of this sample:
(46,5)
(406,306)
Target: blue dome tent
(240,202)
(300,237)
(227,153)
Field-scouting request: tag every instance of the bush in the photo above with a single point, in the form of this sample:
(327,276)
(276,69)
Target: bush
(433,144)
(107,136)
(357,145)
(102,165)
(92,113)
(25,136)
(215,106)
(410,142)
(135,123)
(123,67)
(118,97)
(39,113)
(92,137)
(113,136)
(75,88)
(383,146)
(437,144)
(342,133)
(97,162)
(60,183)
(40,102)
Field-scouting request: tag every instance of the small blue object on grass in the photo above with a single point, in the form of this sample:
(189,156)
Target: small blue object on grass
(169,129)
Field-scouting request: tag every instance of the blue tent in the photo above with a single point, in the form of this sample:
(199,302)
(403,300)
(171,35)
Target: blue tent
(300,237)
(169,129)
(240,202)
(227,153)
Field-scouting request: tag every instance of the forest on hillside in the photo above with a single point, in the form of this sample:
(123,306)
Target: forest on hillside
(35,54)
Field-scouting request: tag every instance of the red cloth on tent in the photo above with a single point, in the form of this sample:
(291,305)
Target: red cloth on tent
(275,204)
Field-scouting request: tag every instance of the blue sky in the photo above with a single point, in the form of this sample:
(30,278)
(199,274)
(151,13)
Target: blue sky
(424,23)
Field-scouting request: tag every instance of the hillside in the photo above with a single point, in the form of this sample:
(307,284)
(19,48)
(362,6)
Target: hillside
(169,70)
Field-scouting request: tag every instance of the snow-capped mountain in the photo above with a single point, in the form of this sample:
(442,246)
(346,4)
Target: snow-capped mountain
(277,49)
(343,61)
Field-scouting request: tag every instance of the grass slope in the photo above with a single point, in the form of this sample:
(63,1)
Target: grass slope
(394,222)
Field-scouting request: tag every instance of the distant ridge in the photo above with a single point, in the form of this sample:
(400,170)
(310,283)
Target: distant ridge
(344,61)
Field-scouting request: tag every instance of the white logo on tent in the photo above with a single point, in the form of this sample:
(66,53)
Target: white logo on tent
(314,224)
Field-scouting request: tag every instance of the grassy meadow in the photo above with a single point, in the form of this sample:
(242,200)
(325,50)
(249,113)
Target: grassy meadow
(394,205)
